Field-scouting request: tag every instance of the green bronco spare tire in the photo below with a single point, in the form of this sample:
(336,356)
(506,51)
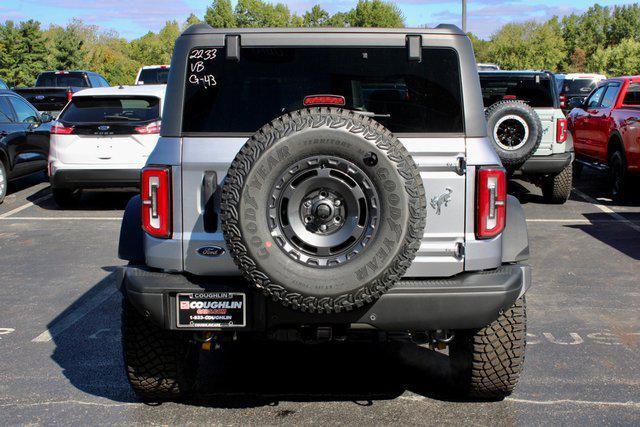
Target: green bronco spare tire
(323,209)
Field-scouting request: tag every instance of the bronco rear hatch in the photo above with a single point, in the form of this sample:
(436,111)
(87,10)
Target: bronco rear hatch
(228,96)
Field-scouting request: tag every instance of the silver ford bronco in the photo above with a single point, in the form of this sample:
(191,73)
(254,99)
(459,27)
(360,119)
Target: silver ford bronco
(318,185)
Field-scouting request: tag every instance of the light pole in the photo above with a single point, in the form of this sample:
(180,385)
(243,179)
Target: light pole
(464,15)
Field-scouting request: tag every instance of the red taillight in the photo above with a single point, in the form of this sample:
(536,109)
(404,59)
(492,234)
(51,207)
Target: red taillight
(491,200)
(149,128)
(561,131)
(60,129)
(156,201)
(509,97)
(563,101)
(324,100)
(69,95)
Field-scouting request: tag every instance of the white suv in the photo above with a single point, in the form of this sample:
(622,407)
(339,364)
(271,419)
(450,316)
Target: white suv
(102,139)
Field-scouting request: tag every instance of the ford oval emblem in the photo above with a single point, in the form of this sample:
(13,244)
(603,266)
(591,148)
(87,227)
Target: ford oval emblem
(103,127)
(211,251)
(39,97)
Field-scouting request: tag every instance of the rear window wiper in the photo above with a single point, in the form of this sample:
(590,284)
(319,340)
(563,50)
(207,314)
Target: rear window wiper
(373,114)
(117,117)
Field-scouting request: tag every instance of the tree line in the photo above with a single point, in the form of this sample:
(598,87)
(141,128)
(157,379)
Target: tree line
(602,39)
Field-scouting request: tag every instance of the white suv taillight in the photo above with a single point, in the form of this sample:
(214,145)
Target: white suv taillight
(491,200)
(156,201)
(153,127)
(561,130)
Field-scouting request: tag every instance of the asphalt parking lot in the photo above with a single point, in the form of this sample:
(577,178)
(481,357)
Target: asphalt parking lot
(61,362)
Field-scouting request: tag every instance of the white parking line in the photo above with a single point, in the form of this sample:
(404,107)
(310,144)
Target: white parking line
(77,314)
(577,220)
(607,210)
(62,218)
(25,206)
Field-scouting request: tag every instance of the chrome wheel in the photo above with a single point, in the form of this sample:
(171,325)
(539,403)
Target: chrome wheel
(323,211)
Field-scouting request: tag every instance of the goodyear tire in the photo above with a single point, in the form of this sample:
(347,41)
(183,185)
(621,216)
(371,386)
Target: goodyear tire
(160,364)
(323,210)
(487,362)
(515,131)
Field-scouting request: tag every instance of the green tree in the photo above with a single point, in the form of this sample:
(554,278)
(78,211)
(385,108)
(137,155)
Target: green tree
(68,49)
(619,60)
(10,54)
(25,54)
(375,13)
(479,48)
(528,45)
(624,24)
(257,13)
(109,58)
(338,20)
(192,20)
(316,17)
(220,15)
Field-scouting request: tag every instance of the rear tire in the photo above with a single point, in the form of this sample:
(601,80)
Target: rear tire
(66,197)
(4,181)
(160,364)
(487,362)
(618,176)
(556,188)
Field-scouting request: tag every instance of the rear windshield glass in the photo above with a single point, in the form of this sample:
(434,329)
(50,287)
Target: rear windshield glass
(62,80)
(577,87)
(632,97)
(153,76)
(535,90)
(95,109)
(405,96)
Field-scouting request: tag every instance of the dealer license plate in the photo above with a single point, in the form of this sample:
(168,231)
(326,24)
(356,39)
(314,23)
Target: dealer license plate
(211,310)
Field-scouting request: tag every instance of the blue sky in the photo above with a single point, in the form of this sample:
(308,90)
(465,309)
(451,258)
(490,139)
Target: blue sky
(134,18)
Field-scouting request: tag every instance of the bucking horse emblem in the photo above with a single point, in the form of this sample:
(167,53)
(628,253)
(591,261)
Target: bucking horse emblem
(443,199)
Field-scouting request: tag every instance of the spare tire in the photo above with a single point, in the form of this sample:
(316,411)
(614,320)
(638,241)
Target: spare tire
(515,130)
(323,210)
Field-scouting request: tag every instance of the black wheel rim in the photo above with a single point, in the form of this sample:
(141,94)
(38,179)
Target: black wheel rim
(323,211)
(511,133)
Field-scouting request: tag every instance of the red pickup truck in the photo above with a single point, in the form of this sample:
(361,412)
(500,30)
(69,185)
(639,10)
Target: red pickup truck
(606,131)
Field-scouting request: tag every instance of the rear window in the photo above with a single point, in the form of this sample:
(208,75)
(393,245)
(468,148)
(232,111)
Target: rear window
(62,80)
(153,76)
(577,87)
(536,90)
(96,109)
(224,96)
(632,97)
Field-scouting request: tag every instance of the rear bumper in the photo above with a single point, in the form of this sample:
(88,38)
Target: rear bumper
(542,165)
(95,178)
(466,301)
